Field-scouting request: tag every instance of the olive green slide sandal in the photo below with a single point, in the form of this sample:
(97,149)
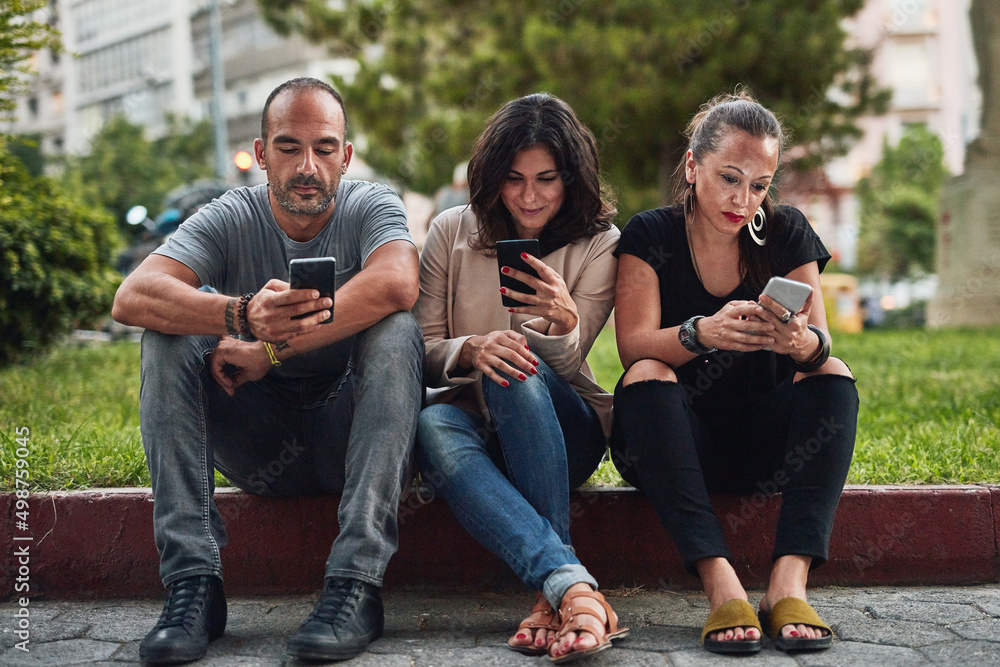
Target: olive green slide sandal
(732,614)
(794,611)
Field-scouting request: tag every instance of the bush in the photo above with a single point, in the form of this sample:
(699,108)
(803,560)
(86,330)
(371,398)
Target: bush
(55,261)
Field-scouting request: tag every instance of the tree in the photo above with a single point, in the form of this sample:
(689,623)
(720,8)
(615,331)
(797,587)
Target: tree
(124,168)
(20,34)
(55,252)
(432,71)
(899,206)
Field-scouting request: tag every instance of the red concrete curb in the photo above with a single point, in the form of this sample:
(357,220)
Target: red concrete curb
(99,543)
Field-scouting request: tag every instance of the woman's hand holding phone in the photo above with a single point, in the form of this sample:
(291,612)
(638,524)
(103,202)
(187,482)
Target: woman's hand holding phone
(792,337)
(551,300)
(504,351)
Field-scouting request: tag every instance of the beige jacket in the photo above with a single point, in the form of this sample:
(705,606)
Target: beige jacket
(460,298)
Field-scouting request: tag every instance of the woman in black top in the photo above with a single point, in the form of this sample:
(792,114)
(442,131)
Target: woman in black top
(724,389)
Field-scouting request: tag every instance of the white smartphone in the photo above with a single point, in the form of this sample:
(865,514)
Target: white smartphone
(790,294)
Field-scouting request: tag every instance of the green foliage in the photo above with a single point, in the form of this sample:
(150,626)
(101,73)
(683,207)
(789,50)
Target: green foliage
(432,71)
(899,205)
(28,149)
(124,168)
(55,261)
(20,34)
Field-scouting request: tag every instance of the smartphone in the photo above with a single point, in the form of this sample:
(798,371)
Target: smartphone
(790,294)
(509,254)
(319,273)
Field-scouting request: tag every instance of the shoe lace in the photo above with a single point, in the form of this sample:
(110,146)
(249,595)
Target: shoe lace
(182,605)
(336,602)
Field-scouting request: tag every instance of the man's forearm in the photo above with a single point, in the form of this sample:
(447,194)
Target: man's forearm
(161,302)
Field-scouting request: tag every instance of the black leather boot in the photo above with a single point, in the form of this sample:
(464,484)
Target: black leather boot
(193,615)
(346,619)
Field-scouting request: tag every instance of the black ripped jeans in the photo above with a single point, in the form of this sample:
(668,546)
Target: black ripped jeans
(678,442)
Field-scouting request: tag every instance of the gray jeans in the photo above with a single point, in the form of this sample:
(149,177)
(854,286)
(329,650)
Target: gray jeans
(354,438)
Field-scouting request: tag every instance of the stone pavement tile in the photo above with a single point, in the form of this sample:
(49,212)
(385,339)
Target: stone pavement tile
(987,630)
(111,622)
(625,657)
(44,631)
(60,653)
(261,618)
(661,639)
(264,648)
(964,653)
(930,612)
(855,654)
(472,657)
(129,652)
(893,633)
(411,642)
(701,658)
(854,625)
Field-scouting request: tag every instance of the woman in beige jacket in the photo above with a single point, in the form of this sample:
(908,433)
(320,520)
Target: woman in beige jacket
(517,419)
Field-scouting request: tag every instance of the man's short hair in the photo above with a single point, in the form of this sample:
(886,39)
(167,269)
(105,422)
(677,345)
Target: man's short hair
(301,83)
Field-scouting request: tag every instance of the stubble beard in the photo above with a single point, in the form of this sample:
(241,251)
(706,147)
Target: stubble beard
(289,201)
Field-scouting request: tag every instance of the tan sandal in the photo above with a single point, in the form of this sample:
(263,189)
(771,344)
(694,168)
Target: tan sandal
(542,617)
(581,612)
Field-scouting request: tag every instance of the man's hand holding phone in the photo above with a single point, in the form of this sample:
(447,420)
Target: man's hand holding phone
(270,312)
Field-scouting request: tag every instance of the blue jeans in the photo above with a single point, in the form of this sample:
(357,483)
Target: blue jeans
(511,492)
(353,436)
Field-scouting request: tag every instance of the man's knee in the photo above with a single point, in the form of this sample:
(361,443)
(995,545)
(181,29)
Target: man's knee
(649,369)
(396,331)
(169,351)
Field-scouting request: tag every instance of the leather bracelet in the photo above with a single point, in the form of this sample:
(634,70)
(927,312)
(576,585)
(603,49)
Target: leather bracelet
(242,322)
(271,355)
(820,358)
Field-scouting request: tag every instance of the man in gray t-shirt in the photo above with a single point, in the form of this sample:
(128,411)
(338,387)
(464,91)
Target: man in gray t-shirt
(280,406)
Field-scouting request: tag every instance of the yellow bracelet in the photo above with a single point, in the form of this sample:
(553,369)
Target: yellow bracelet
(270,354)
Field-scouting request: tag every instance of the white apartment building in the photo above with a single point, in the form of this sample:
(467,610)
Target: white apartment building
(147,58)
(923,53)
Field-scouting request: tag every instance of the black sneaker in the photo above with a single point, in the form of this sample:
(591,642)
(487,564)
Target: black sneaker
(193,615)
(346,619)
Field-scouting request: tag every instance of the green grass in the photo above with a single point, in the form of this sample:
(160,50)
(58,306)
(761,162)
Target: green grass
(930,410)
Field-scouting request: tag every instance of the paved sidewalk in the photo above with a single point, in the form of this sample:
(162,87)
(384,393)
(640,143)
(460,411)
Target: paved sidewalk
(875,626)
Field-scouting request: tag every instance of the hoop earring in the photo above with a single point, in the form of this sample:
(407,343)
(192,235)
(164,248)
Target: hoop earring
(689,202)
(758,227)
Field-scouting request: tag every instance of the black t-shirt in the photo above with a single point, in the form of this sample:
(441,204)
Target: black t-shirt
(659,238)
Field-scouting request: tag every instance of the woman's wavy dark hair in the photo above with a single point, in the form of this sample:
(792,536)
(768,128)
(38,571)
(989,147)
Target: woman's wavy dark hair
(720,115)
(538,120)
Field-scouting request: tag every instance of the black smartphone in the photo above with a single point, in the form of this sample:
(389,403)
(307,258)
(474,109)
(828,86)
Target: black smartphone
(509,254)
(318,273)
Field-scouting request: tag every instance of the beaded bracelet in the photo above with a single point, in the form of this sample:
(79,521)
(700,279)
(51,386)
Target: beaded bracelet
(819,359)
(243,322)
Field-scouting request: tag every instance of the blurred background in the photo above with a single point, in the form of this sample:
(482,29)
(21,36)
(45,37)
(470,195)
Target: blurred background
(148,101)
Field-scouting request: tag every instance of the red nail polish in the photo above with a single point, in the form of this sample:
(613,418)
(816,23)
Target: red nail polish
(794,633)
(524,255)
(522,377)
(534,372)
(510,310)
(505,269)
(527,348)
(505,384)
(503,290)
(534,361)
(522,636)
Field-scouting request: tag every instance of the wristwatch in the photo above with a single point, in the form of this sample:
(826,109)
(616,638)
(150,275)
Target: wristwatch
(689,338)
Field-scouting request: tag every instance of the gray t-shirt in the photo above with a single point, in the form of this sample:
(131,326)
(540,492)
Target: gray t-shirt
(235,245)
